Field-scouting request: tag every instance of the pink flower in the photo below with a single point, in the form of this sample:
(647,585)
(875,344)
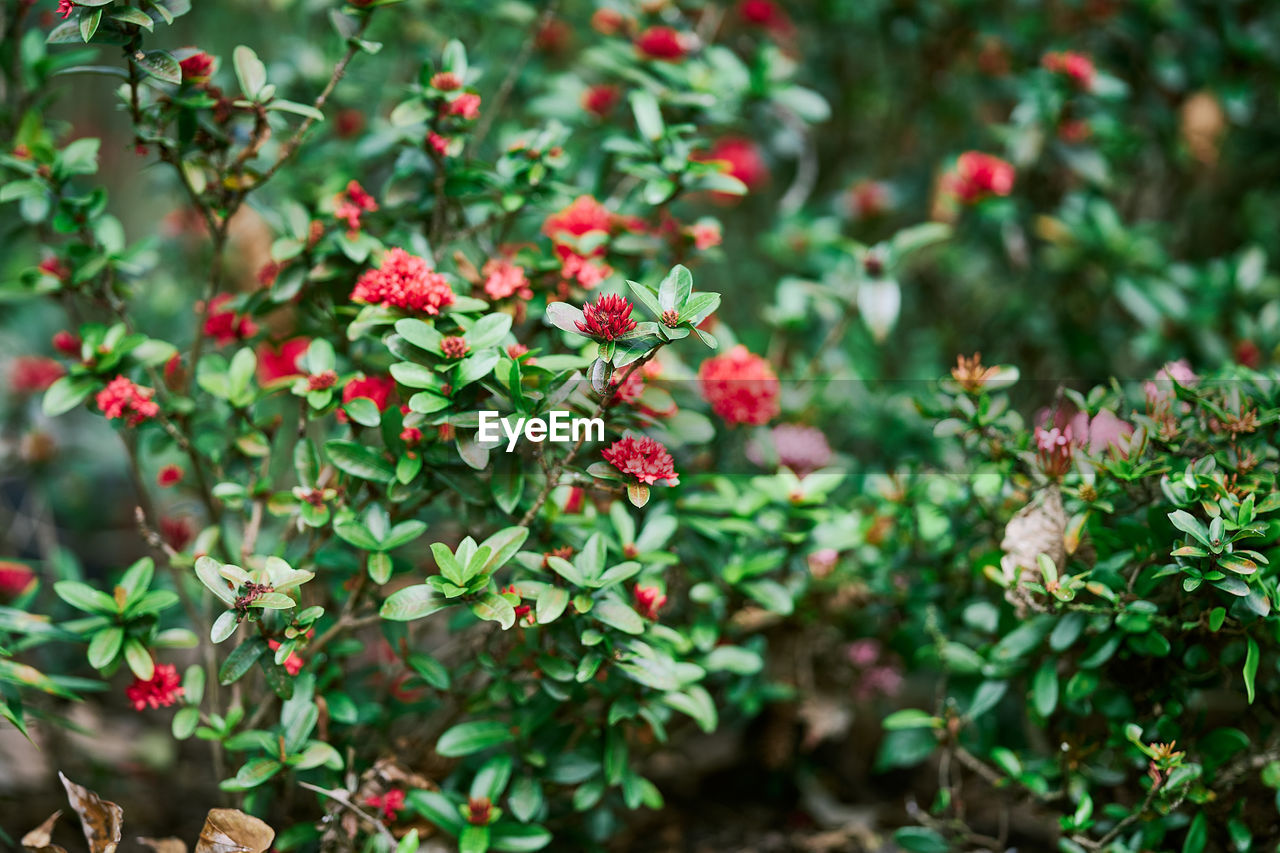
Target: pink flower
(706,235)
(741,387)
(15,579)
(1101,432)
(1160,391)
(465,106)
(123,399)
(600,100)
(280,361)
(649,600)
(30,374)
(350,204)
(662,43)
(1076,66)
(642,458)
(163,690)
(503,279)
(823,561)
(977,176)
(803,449)
(169,475)
(224,325)
(607,319)
(1054,450)
(454,347)
(404,281)
(587,272)
(863,653)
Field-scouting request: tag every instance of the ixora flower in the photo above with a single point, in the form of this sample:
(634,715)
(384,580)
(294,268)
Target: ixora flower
(162,690)
(601,99)
(224,325)
(649,600)
(977,176)
(389,804)
(1054,449)
(502,278)
(123,399)
(376,388)
(642,459)
(15,579)
(580,232)
(740,386)
(740,158)
(65,8)
(350,204)
(30,374)
(466,106)
(197,68)
(169,475)
(607,319)
(404,281)
(280,361)
(662,43)
(803,449)
(1076,66)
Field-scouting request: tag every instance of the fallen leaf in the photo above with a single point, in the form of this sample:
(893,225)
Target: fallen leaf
(233,831)
(102,819)
(164,845)
(39,840)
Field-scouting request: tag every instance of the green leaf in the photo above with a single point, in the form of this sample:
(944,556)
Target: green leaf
(472,737)
(250,71)
(256,771)
(488,331)
(1197,835)
(413,602)
(495,608)
(920,839)
(491,779)
(675,288)
(551,603)
(65,394)
(525,798)
(84,597)
(911,718)
(160,65)
(1251,668)
(359,461)
(363,411)
(518,838)
(379,566)
(104,646)
(617,615)
(242,657)
(1044,688)
(1190,525)
(89,22)
(432,671)
(648,115)
(697,703)
(139,659)
(473,839)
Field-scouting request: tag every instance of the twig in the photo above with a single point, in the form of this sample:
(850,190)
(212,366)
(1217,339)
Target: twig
(343,799)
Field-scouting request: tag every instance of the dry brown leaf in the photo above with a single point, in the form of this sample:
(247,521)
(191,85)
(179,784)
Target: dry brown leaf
(233,831)
(164,845)
(1203,122)
(40,839)
(102,819)
(1038,528)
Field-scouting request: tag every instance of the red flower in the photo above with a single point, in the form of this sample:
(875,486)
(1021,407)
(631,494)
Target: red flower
(404,281)
(280,361)
(1248,353)
(516,351)
(446,81)
(377,388)
(390,804)
(649,600)
(164,688)
(348,123)
(588,272)
(868,199)
(740,386)
(977,176)
(600,100)
(411,435)
(224,325)
(642,458)
(740,158)
(15,579)
(706,235)
(465,106)
(1076,66)
(583,215)
(197,68)
(438,143)
(169,475)
(503,279)
(177,532)
(65,8)
(607,22)
(54,267)
(350,204)
(123,399)
(662,43)
(293,663)
(322,381)
(33,373)
(1074,130)
(607,319)
(479,811)
(66,343)
(454,347)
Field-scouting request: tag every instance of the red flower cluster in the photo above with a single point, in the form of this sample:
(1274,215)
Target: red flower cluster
(739,157)
(740,386)
(977,176)
(454,347)
(30,374)
(662,43)
(350,204)
(649,600)
(465,106)
(390,804)
(164,689)
(169,475)
(224,325)
(583,215)
(197,68)
(446,81)
(15,579)
(123,399)
(607,319)
(377,388)
(1076,66)
(600,100)
(642,458)
(566,229)
(280,361)
(502,278)
(404,281)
